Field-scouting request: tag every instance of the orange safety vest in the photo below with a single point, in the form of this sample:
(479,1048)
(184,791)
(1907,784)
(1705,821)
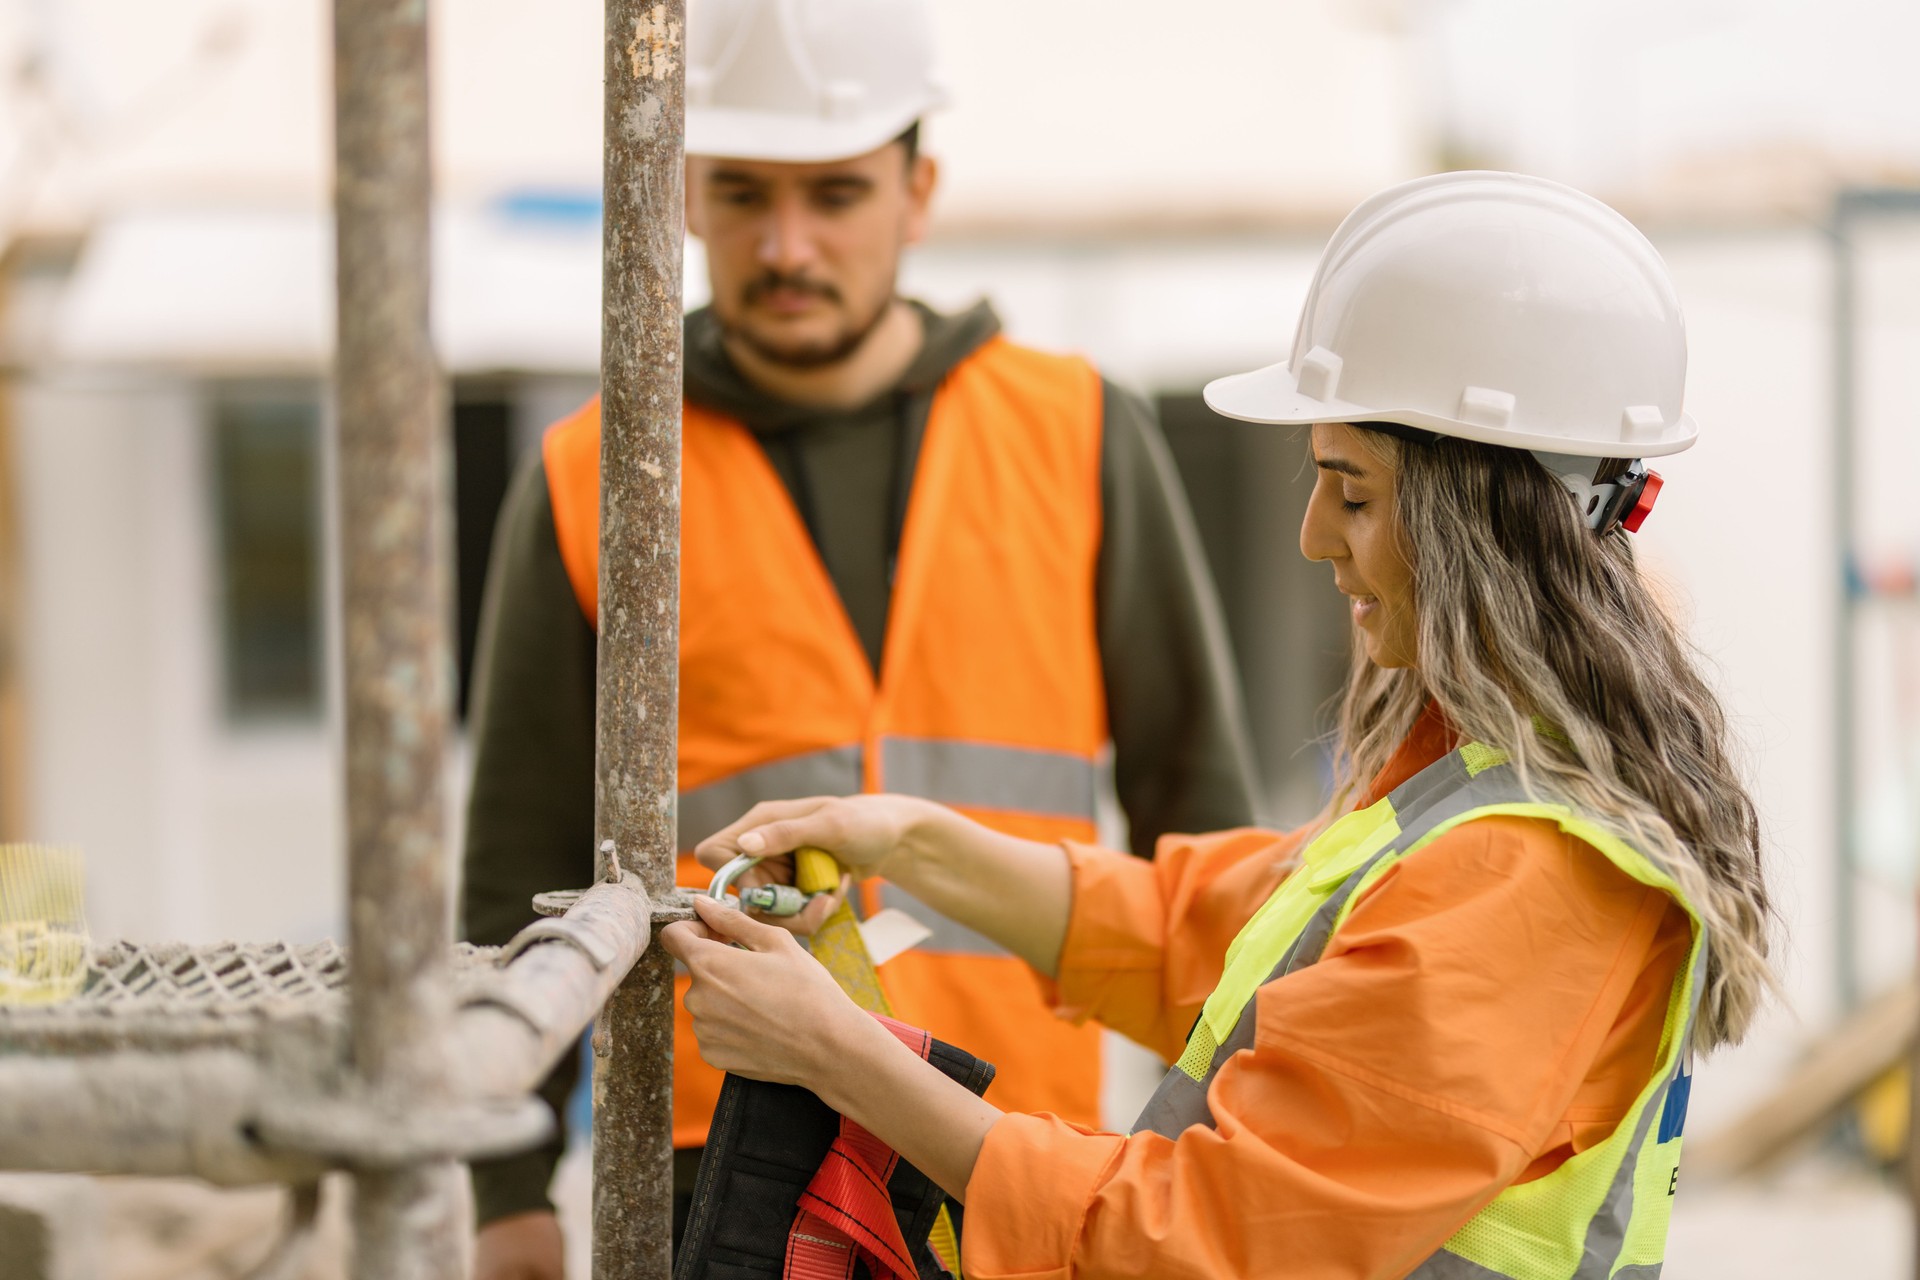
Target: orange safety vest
(989,698)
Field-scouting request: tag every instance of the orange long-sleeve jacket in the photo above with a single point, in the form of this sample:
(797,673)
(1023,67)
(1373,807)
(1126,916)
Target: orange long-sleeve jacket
(1490,1008)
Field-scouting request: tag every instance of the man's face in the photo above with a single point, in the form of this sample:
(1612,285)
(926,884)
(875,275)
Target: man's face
(802,257)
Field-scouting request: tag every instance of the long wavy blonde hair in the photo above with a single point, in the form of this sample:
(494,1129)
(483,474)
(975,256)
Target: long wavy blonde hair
(1525,618)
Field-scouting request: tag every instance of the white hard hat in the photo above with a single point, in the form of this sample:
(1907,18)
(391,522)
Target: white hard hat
(806,80)
(1491,307)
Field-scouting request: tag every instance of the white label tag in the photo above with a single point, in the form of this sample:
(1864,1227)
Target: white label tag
(889,932)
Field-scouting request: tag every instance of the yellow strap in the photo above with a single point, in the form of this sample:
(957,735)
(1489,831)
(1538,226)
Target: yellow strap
(945,1243)
(815,870)
(838,945)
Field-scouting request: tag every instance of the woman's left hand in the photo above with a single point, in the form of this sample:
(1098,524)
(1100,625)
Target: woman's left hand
(765,1009)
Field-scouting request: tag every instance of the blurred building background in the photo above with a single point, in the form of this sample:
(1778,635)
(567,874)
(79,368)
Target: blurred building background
(1146,184)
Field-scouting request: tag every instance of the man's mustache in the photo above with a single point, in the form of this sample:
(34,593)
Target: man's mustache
(769,281)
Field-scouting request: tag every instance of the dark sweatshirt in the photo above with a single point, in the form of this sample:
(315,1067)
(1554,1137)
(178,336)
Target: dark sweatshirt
(1180,754)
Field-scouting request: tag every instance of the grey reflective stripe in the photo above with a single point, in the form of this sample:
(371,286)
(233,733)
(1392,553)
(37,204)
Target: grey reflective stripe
(834,771)
(1607,1233)
(983,775)
(948,937)
(975,774)
(1312,942)
(1451,1266)
(1180,1101)
(1444,790)
(1431,785)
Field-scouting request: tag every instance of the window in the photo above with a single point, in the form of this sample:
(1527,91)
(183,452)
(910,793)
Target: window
(268,495)
(266,464)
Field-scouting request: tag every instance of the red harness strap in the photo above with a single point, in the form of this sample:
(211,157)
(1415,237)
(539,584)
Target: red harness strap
(845,1213)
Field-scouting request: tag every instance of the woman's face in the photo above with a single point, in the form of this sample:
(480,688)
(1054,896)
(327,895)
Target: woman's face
(1351,525)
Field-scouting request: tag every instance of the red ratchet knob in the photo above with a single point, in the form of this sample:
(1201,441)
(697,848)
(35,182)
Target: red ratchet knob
(1643,504)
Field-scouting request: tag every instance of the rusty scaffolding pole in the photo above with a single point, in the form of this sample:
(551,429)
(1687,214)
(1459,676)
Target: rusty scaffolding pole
(393,533)
(636,737)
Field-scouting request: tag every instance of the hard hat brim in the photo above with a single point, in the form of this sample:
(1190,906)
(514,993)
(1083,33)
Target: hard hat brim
(783,138)
(1272,396)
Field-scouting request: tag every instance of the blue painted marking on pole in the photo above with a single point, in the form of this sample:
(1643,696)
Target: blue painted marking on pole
(550,206)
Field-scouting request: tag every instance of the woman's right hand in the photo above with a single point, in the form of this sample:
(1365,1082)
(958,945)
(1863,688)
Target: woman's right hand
(1017,892)
(868,835)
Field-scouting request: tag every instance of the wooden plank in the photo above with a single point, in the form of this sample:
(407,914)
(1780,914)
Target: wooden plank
(1797,1112)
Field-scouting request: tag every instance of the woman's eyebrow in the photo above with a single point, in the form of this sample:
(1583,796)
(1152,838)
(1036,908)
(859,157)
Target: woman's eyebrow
(1342,466)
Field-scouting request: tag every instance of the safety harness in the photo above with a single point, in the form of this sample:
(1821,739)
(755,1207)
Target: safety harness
(788,1188)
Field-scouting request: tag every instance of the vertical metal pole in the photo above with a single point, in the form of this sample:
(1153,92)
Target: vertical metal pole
(1846,963)
(13,736)
(393,573)
(637,731)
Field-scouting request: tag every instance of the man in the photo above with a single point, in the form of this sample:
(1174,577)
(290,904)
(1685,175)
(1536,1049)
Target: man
(915,557)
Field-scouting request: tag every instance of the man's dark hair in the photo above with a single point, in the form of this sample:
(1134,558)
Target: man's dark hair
(911,141)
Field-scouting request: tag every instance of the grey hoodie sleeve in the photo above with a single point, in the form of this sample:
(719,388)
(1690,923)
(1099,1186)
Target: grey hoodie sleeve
(530,812)
(1182,760)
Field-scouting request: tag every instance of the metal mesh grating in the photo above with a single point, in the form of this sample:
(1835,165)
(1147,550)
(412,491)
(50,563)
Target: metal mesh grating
(222,978)
(227,993)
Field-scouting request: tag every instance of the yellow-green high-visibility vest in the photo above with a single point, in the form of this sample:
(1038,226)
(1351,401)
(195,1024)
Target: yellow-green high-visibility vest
(1600,1216)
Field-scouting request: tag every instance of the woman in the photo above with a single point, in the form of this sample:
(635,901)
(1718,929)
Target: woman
(1447,1032)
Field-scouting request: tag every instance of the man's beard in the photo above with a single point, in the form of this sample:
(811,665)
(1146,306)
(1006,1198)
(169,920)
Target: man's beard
(813,356)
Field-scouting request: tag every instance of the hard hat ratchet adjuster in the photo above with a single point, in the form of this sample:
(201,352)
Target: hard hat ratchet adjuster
(1606,494)
(1635,490)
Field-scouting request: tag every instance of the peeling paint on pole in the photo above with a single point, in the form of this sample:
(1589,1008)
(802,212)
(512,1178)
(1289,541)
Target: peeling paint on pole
(635,773)
(656,41)
(393,524)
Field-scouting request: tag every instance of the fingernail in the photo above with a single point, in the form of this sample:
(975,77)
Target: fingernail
(753,842)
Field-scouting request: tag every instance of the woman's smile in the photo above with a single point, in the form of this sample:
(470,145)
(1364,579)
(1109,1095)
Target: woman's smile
(1350,524)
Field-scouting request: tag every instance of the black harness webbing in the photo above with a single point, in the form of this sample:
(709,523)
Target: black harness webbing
(766,1143)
